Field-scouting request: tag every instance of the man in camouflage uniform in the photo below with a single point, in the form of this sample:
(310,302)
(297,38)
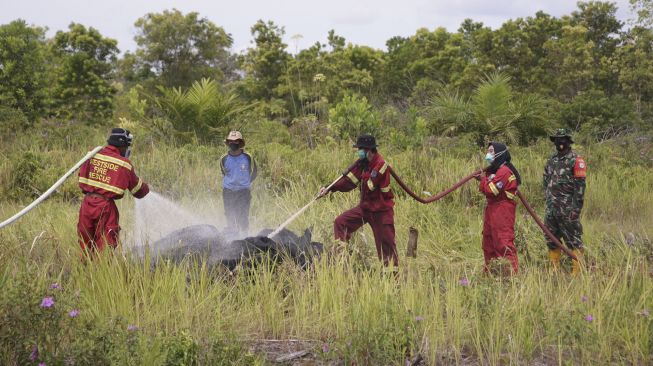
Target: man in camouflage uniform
(564,189)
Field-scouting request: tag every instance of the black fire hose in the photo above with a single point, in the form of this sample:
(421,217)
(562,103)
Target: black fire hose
(523,200)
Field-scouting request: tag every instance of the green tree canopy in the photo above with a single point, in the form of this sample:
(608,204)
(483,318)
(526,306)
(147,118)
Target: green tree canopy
(84,59)
(23,81)
(181,49)
(266,62)
(644,11)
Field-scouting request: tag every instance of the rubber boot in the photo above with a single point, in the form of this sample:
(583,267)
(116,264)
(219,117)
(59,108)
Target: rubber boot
(554,257)
(576,265)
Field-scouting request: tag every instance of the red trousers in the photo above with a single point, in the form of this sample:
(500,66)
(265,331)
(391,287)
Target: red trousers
(383,227)
(98,224)
(499,233)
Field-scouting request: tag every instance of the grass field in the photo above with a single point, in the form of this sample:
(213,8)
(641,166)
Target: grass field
(441,306)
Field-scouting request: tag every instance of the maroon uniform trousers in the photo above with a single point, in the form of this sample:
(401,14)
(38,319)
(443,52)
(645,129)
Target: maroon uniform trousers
(98,223)
(375,207)
(383,228)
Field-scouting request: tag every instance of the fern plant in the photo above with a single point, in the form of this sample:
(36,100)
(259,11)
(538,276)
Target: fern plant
(492,112)
(203,110)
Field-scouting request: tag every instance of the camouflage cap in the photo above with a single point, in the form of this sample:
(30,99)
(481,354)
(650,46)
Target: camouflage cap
(561,132)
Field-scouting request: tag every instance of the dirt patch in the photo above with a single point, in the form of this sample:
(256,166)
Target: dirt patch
(290,352)
(303,353)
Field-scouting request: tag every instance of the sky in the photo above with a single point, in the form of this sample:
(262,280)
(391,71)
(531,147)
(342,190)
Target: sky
(363,22)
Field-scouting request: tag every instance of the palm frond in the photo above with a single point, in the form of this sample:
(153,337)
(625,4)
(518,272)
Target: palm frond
(449,112)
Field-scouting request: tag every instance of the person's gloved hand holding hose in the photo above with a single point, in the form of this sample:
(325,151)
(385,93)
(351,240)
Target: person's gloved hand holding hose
(323,192)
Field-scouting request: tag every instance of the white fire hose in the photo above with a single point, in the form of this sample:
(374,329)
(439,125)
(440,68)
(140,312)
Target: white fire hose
(296,214)
(52,189)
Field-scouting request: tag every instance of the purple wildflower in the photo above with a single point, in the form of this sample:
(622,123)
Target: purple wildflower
(325,347)
(42,364)
(644,313)
(589,318)
(73,313)
(35,353)
(419,318)
(47,302)
(55,286)
(132,328)
(463,282)
(583,298)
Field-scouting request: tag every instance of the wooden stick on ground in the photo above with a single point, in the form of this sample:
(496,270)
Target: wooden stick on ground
(411,249)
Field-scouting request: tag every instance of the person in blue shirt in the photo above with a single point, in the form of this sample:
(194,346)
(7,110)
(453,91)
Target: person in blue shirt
(239,171)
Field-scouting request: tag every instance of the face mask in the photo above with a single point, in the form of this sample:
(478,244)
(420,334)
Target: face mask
(562,145)
(489,157)
(234,147)
(362,154)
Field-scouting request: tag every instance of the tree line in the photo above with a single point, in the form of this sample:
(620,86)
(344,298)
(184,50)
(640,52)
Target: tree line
(587,71)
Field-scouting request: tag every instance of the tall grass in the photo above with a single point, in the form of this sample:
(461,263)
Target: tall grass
(346,305)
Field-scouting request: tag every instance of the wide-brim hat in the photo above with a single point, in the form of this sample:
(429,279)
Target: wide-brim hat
(560,133)
(366,142)
(235,136)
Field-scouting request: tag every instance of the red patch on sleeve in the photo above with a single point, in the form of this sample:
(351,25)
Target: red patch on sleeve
(580,169)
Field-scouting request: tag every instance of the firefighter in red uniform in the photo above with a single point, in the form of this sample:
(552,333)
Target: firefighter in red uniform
(499,184)
(376,204)
(104,179)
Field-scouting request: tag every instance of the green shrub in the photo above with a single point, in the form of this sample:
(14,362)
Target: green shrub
(493,112)
(46,323)
(404,130)
(308,131)
(181,351)
(43,323)
(12,123)
(25,173)
(264,130)
(352,117)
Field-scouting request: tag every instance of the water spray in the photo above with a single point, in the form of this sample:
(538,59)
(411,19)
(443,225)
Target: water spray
(54,187)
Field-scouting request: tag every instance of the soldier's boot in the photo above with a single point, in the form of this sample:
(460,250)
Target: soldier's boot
(576,265)
(554,257)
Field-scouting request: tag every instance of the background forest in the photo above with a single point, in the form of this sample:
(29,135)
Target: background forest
(587,71)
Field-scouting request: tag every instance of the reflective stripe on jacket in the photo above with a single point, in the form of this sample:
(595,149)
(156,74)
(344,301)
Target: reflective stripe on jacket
(501,186)
(109,174)
(374,182)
